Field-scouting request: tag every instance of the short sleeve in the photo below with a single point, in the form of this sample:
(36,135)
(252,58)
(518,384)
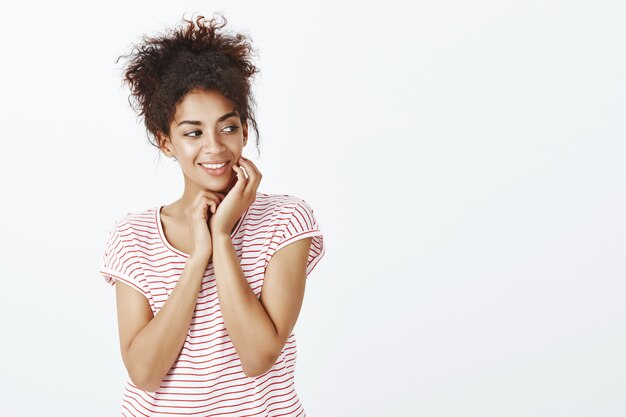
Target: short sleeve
(119,261)
(299,222)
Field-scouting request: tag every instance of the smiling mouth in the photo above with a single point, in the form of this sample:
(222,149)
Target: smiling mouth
(220,170)
(213,165)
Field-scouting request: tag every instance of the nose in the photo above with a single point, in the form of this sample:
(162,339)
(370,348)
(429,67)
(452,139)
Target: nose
(212,144)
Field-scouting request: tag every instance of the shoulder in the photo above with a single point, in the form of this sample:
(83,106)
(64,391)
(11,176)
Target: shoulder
(281,211)
(279,202)
(135,220)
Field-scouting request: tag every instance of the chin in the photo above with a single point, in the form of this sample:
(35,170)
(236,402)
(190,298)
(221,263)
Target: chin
(218,186)
(216,189)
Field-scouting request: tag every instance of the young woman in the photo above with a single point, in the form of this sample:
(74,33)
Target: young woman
(212,283)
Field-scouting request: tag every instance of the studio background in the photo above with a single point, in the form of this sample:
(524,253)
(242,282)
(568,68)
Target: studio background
(465,161)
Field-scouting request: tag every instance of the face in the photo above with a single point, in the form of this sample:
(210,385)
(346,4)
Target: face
(206,129)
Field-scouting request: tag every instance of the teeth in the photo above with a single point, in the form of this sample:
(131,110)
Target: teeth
(213,166)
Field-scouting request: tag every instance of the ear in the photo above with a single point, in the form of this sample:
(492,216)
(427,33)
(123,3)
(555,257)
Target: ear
(164,144)
(245,132)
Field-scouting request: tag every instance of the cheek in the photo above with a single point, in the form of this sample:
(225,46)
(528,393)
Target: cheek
(189,152)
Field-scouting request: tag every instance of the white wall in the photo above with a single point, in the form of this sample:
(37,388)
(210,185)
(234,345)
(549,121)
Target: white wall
(464,159)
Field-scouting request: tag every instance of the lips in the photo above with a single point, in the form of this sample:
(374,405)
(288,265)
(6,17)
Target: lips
(216,172)
(214,163)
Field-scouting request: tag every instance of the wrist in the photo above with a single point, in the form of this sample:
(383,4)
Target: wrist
(198,259)
(220,237)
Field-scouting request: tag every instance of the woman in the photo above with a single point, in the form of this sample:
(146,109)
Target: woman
(213,282)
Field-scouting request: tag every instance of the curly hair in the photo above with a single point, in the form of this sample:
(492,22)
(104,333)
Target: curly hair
(162,69)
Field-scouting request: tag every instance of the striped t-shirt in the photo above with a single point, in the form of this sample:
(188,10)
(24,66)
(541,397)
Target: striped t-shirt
(207,378)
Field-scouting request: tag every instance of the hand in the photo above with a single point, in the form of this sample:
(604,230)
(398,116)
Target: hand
(198,215)
(238,199)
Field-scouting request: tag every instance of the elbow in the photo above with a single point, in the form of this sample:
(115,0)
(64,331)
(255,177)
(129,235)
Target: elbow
(253,373)
(142,371)
(149,385)
(259,368)
(145,381)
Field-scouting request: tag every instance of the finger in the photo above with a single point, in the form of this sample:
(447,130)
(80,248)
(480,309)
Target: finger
(246,165)
(249,165)
(244,170)
(211,202)
(254,175)
(241,179)
(217,197)
(212,194)
(198,209)
(251,168)
(241,174)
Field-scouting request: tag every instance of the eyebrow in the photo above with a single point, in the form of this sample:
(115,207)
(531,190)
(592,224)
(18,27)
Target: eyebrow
(197,122)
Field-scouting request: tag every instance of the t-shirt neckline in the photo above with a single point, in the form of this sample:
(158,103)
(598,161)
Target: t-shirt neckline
(164,241)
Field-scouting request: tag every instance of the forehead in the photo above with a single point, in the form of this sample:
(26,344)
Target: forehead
(203,105)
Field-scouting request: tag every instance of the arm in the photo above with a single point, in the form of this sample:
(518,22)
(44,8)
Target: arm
(259,329)
(149,350)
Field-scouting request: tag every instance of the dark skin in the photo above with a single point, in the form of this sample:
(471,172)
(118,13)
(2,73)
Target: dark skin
(201,222)
(217,213)
(198,134)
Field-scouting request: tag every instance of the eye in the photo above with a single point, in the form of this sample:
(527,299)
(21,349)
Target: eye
(234,127)
(199,132)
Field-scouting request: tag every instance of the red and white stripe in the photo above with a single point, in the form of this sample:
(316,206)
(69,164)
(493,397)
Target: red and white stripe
(207,378)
